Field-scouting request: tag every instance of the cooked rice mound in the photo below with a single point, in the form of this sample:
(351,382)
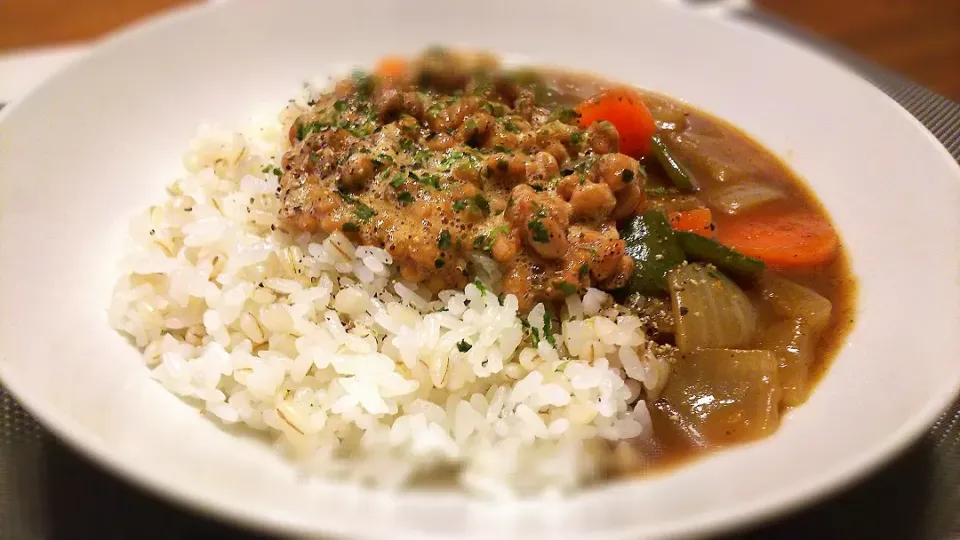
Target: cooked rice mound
(321,347)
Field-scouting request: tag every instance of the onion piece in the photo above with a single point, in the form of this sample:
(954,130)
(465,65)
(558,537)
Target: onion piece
(793,342)
(792,300)
(710,310)
(743,196)
(722,396)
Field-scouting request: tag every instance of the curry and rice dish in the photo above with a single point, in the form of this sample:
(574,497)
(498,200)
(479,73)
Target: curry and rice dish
(523,280)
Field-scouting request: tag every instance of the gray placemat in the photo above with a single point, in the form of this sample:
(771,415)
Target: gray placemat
(49,492)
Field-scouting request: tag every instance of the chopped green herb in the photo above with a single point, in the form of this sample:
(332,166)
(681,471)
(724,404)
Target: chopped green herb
(658,191)
(564,114)
(502,149)
(444,241)
(576,137)
(278,171)
(404,198)
(314,158)
(547,329)
(480,242)
(397,180)
(463,346)
(431,180)
(583,272)
(540,233)
(459,205)
(434,109)
(439,263)
(386,158)
(350,227)
(484,242)
(452,159)
(406,145)
(266,169)
(363,212)
(340,105)
(353,129)
(511,127)
(345,196)
(479,284)
(470,125)
(567,288)
(363,82)
(305,129)
(586,164)
(422,156)
(482,204)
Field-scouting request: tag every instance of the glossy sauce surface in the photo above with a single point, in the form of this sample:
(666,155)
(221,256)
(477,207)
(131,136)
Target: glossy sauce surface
(456,164)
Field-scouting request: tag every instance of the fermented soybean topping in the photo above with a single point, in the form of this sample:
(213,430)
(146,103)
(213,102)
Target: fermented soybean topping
(569,182)
(455,157)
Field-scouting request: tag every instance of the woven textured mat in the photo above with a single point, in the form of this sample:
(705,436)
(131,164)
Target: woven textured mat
(49,492)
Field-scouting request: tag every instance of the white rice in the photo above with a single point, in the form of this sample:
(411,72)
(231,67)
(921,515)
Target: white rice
(352,373)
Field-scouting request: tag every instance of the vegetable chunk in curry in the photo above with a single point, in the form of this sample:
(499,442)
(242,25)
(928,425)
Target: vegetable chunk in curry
(564,182)
(452,158)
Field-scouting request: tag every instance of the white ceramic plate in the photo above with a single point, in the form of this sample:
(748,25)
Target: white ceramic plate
(86,151)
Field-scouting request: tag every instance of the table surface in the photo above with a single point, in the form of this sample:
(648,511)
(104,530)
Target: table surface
(918,38)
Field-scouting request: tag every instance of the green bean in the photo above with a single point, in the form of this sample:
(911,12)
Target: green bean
(650,242)
(699,248)
(677,173)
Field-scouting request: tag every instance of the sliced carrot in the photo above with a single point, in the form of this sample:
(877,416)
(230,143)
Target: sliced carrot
(698,220)
(391,67)
(791,240)
(623,108)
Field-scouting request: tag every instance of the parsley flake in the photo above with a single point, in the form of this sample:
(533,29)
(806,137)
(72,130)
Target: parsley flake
(431,180)
(482,204)
(539,232)
(444,241)
(567,288)
(363,212)
(547,330)
(479,284)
